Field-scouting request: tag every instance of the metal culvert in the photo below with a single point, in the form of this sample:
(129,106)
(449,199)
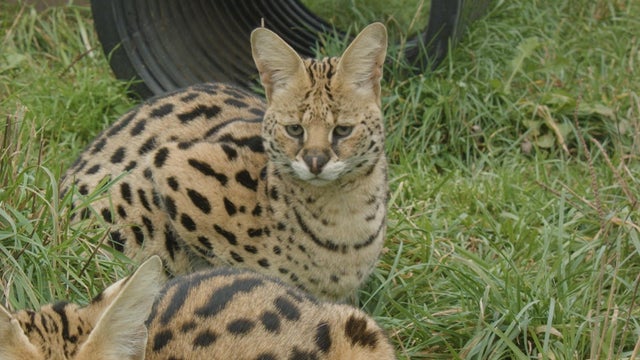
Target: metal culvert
(170,44)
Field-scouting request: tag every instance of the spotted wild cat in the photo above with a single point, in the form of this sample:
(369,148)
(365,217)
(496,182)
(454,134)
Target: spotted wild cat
(222,313)
(210,175)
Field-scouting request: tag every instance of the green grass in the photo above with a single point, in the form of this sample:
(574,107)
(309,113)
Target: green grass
(515,176)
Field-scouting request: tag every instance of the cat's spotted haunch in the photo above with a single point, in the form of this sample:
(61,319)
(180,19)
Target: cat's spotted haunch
(223,313)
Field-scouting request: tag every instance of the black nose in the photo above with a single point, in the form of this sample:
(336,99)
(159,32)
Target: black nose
(315,159)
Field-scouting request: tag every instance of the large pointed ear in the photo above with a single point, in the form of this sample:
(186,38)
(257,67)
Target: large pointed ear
(278,64)
(120,332)
(14,344)
(360,67)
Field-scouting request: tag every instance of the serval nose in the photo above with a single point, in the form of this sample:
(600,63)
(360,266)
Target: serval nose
(315,159)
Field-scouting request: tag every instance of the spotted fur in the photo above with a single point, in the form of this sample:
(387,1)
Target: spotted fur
(223,313)
(210,175)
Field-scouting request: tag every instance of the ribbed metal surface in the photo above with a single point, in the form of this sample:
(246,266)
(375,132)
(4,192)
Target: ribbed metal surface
(170,44)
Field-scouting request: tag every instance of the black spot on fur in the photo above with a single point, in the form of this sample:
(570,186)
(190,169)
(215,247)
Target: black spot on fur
(188,326)
(184,145)
(254,232)
(229,206)
(205,338)
(170,241)
(277,250)
(205,169)
(190,96)
(270,321)
(235,256)
(116,240)
(240,326)
(264,263)
(149,225)
(254,143)
(251,249)
(143,199)
(161,111)
(221,297)
(138,127)
(94,169)
(106,215)
(205,241)
(173,183)
(232,154)
(231,237)
(236,103)
(244,178)
(257,211)
(323,337)
(139,235)
(122,212)
(124,122)
(148,145)
(258,112)
(287,309)
(298,354)
(161,157)
(273,193)
(132,165)
(199,200)
(162,339)
(199,110)
(356,330)
(170,206)
(187,222)
(125,192)
(98,146)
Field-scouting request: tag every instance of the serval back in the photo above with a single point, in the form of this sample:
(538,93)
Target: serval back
(211,175)
(223,313)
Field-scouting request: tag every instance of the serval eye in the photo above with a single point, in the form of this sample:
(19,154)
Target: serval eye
(342,131)
(295,131)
